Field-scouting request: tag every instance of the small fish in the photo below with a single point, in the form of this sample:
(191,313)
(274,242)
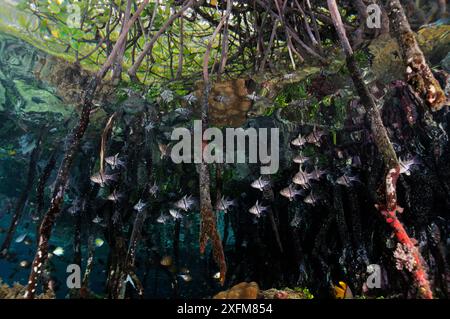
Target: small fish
(190,98)
(115,196)
(184,112)
(102,179)
(114,161)
(166,261)
(316,174)
(59,251)
(257,209)
(260,184)
(302,178)
(97,220)
(140,206)
(300,159)
(27,242)
(99,242)
(130,280)
(162,219)
(175,214)
(164,149)
(299,141)
(153,190)
(253,97)
(24,264)
(342,291)
(150,126)
(405,166)
(290,192)
(185,203)
(21,238)
(186,277)
(217,275)
(347,180)
(221,99)
(224,204)
(314,137)
(311,199)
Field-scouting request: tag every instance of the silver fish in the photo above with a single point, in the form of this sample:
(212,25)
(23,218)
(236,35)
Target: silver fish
(302,178)
(140,206)
(347,180)
(190,98)
(224,204)
(102,178)
(185,203)
(129,280)
(299,141)
(314,137)
(114,161)
(253,97)
(316,174)
(162,219)
(97,220)
(257,209)
(300,159)
(260,184)
(221,99)
(153,190)
(182,111)
(405,166)
(311,199)
(290,192)
(175,214)
(150,126)
(21,238)
(115,196)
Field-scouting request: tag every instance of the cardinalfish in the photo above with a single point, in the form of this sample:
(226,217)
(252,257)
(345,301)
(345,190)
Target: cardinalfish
(260,184)
(302,178)
(290,192)
(114,161)
(140,206)
(347,180)
(97,220)
(299,141)
(103,179)
(257,209)
(153,190)
(405,166)
(175,214)
(115,196)
(301,159)
(314,137)
(224,204)
(185,203)
(311,199)
(316,174)
(162,219)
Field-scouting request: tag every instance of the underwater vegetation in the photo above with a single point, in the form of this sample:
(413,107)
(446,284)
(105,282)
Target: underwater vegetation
(137,138)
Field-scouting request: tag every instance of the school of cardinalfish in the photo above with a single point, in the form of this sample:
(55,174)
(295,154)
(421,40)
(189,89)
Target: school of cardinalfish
(302,180)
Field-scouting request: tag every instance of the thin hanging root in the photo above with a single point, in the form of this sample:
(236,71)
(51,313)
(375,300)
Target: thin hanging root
(23,197)
(105,135)
(387,152)
(418,73)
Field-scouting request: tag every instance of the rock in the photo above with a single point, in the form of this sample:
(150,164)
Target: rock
(242,290)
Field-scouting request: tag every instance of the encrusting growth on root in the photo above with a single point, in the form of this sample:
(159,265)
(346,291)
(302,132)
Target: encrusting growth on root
(418,73)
